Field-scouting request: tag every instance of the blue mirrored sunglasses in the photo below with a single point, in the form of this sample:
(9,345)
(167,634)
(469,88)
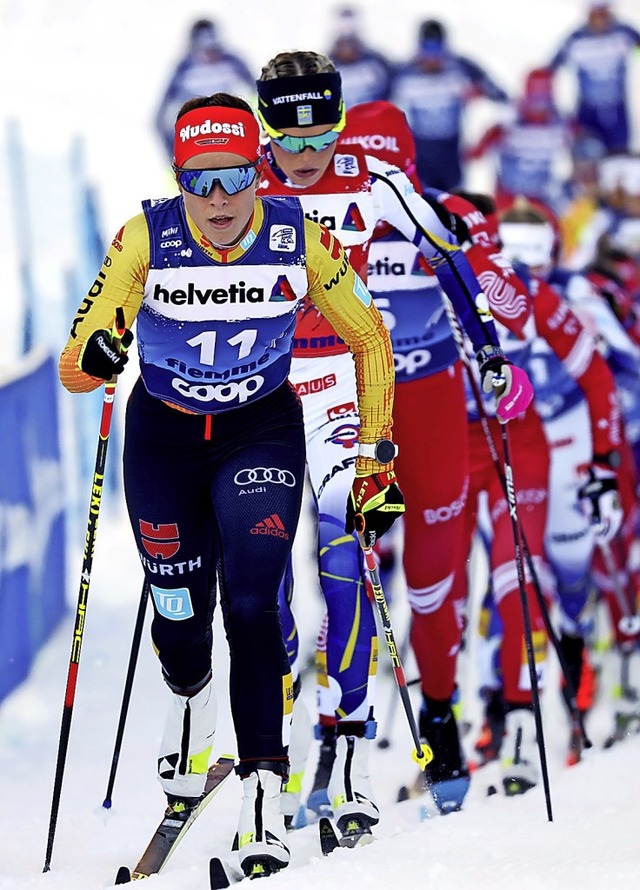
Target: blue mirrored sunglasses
(297,144)
(231,179)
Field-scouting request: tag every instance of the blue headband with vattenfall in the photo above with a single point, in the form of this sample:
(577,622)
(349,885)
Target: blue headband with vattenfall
(303,100)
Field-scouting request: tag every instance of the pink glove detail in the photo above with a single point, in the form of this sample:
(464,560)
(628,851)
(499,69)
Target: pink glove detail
(517,394)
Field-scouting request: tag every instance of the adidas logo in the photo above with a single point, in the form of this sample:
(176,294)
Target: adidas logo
(272,525)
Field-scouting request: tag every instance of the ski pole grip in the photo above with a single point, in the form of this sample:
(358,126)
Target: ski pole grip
(118,330)
(359,525)
(369,558)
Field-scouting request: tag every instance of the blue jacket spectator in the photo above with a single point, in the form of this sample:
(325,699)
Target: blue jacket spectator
(433,91)
(599,53)
(366,74)
(205,69)
(533,151)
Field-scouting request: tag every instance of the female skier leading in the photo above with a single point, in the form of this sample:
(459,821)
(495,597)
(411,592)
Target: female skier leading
(214,278)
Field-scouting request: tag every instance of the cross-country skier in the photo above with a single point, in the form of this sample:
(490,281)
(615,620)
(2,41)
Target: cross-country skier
(214,443)
(599,53)
(576,398)
(365,73)
(430,397)
(531,151)
(206,67)
(433,89)
(349,191)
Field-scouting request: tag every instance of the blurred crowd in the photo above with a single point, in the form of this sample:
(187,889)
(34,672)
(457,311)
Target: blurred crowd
(537,149)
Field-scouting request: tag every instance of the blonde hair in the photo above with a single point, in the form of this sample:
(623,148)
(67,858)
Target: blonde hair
(523,211)
(295,63)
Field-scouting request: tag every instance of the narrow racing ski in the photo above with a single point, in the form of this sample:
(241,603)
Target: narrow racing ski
(221,875)
(174,826)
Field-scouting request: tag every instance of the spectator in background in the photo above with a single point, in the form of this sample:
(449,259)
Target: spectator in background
(433,90)
(582,194)
(617,214)
(533,149)
(366,74)
(599,53)
(206,68)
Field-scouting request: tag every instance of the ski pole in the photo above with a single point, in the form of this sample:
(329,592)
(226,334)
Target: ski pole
(390,718)
(526,617)
(629,623)
(516,526)
(83,595)
(126,695)
(422,753)
(571,691)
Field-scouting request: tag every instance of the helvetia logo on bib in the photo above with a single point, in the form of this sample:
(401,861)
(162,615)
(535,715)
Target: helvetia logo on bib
(282,291)
(353,221)
(191,295)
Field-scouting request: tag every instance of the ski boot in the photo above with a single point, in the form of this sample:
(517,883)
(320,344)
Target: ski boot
(519,760)
(293,810)
(447,775)
(260,838)
(350,793)
(318,800)
(489,741)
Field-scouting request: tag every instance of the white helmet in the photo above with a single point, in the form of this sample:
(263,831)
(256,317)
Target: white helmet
(530,243)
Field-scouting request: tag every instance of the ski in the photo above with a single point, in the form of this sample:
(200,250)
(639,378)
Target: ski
(625,725)
(354,831)
(328,837)
(220,876)
(171,830)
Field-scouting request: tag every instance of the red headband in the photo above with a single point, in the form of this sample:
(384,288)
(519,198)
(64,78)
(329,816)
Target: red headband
(216,128)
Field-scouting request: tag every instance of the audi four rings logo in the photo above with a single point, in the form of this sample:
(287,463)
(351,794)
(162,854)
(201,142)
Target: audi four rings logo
(259,475)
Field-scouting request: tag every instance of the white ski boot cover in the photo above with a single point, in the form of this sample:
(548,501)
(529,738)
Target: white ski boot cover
(519,758)
(350,791)
(187,741)
(261,825)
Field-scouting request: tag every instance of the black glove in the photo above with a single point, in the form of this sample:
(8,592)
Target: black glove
(379,500)
(461,230)
(599,500)
(101,358)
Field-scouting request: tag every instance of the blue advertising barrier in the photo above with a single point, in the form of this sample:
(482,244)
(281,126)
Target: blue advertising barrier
(32,520)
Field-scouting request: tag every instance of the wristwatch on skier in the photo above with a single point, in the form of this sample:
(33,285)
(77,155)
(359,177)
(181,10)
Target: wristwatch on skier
(383,451)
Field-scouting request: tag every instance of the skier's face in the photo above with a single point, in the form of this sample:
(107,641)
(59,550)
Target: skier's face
(223,218)
(305,168)
(600,18)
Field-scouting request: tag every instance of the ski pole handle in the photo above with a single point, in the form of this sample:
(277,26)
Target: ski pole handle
(118,330)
